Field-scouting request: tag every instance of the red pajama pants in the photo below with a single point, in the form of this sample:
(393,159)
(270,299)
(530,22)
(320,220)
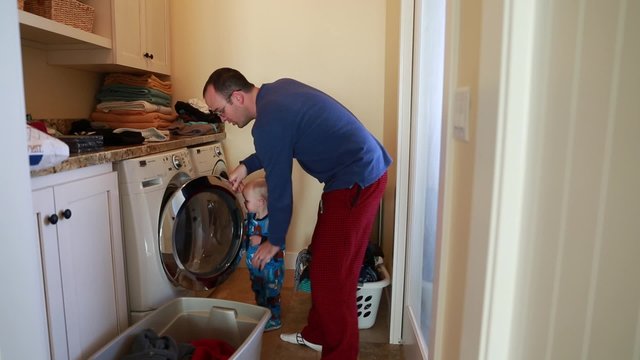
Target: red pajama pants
(340,238)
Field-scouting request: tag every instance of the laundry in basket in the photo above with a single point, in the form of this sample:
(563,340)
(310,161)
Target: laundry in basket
(373,279)
(368,298)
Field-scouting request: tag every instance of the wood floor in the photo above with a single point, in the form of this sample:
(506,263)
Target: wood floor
(295,305)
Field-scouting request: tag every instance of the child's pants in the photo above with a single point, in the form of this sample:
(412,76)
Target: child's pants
(267,283)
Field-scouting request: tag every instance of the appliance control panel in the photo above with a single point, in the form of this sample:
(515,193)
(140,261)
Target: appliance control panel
(177,161)
(217,149)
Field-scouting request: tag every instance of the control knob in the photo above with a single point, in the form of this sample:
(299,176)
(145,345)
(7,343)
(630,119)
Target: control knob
(176,161)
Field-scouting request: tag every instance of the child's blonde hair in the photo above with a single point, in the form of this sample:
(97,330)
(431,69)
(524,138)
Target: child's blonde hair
(258,187)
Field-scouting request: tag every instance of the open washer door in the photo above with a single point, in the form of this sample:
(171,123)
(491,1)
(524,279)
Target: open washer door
(200,233)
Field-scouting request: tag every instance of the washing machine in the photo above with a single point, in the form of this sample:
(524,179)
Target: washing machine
(209,159)
(182,231)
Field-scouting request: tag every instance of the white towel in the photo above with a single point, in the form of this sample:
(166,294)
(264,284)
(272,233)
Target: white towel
(199,104)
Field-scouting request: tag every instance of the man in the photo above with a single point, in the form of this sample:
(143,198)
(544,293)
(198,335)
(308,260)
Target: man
(294,120)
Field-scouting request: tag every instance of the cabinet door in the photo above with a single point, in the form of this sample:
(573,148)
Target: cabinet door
(91,263)
(157,35)
(142,34)
(129,38)
(44,207)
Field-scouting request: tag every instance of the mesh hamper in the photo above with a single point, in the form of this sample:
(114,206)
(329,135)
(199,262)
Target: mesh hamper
(368,299)
(69,12)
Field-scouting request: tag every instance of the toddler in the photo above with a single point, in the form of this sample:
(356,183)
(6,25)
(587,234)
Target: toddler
(266,283)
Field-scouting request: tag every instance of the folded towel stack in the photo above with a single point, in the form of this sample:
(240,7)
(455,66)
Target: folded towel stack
(135,101)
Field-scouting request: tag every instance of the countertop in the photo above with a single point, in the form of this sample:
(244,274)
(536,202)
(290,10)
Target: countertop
(117,153)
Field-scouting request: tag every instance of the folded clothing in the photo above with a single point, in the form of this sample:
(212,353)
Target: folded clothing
(144,80)
(139,120)
(109,138)
(137,105)
(188,113)
(149,134)
(118,92)
(194,129)
(83,143)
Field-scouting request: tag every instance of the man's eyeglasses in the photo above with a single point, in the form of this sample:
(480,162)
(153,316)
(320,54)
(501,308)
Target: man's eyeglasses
(221,110)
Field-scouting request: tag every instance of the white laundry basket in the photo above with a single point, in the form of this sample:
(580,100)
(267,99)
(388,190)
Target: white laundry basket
(368,299)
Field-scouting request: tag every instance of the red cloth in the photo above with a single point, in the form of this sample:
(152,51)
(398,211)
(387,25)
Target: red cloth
(337,249)
(211,349)
(40,125)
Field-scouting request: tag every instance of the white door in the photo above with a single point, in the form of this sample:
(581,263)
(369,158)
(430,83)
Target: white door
(90,262)
(129,37)
(422,177)
(22,304)
(157,35)
(45,216)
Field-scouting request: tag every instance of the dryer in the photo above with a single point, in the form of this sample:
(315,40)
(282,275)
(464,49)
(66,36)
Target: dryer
(182,232)
(209,159)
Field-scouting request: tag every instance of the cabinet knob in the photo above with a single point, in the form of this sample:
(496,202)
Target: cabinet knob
(145,55)
(151,56)
(66,213)
(53,219)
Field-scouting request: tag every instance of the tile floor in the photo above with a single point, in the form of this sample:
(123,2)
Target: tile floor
(295,305)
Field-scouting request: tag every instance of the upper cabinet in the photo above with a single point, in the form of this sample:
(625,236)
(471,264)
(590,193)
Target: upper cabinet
(129,36)
(142,34)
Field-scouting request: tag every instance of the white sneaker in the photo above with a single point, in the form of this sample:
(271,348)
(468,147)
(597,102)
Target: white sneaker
(296,338)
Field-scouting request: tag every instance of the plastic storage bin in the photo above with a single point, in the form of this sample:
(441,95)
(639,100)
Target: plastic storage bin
(187,319)
(368,299)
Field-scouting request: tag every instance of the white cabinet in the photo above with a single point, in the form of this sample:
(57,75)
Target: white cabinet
(82,259)
(142,34)
(130,36)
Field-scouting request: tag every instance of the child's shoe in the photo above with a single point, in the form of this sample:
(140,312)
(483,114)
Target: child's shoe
(273,325)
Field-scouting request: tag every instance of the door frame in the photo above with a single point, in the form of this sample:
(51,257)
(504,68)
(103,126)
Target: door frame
(498,185)
(409,232)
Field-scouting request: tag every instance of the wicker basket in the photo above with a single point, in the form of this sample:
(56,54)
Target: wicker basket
(21,4)
(69,12)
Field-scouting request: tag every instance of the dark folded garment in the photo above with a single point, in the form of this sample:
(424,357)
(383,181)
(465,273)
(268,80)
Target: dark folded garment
(124,138)
(109,138)
(83,143)
(194,114)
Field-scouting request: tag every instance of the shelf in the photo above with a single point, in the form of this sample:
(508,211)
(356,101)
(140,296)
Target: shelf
(50,35)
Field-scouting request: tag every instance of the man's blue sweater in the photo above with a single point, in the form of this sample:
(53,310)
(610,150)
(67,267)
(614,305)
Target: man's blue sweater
(296,121)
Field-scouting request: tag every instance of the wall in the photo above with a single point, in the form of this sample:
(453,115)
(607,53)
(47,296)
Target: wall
(577,295)
(553,246)
(55,92)
(333,45)
(462,63)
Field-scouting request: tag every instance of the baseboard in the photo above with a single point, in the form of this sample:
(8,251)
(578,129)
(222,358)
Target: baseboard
(290,259)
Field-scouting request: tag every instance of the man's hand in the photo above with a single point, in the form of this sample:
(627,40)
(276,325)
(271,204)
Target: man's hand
(236,176)
(264,254)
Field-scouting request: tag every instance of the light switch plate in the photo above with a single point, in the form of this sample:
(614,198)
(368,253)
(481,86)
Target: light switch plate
(461,114)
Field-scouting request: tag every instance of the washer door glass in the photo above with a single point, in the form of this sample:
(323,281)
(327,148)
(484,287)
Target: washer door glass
(200,233)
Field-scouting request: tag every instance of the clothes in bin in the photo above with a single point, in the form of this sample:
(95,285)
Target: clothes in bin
(188,319)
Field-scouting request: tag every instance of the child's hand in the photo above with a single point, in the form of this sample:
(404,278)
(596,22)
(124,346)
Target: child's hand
(255,240)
